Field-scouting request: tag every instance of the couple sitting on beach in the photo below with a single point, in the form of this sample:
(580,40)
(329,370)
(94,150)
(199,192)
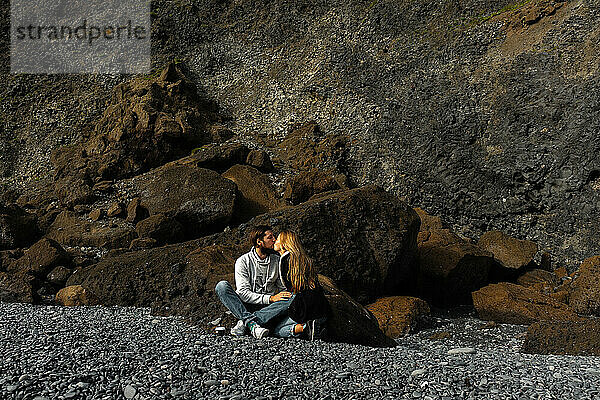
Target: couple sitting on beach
(277,289)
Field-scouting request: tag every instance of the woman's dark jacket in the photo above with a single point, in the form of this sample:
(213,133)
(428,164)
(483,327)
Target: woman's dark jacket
(308,304)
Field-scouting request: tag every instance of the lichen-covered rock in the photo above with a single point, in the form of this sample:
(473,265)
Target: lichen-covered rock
(398,315)
(40,258)
(257,195)
(201,200)
(68,229)
(161,228)
(429,222)
(16,287)
(515,304)
(543,281)
(303,186)
(581,338)
(510,252)
(450,268)
(75,295)
(584,291)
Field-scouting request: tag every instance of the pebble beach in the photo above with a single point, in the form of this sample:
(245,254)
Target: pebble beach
(51,352)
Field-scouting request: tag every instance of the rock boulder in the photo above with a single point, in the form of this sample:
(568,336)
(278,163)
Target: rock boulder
(450,268)
(584,292)
(515,304)
(257,195)
(75,296)
(364,239)
(580,338)
(200,199)
(513,254)
(398,315)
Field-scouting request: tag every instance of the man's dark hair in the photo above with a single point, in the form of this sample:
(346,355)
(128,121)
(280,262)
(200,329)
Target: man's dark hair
(258,233)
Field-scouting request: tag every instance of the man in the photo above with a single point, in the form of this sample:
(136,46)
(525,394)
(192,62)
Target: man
(260,295)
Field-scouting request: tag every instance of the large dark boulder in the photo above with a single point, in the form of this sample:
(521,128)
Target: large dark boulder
(180,280)
(584,291)
(18,228)
(201,200)
(139,278)
(581,338)
(349,321)
(399,315)
(514,255)
(69,229)
(17,287)
(41,258)
(450,267)
(364,239)
(509,303)
(257,195)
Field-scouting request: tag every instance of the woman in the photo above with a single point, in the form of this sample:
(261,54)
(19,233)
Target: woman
(308,309)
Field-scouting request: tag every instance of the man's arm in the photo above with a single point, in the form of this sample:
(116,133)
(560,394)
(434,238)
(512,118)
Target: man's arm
(244,286)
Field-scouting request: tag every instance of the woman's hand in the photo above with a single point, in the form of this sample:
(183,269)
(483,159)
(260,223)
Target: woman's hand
(280,296)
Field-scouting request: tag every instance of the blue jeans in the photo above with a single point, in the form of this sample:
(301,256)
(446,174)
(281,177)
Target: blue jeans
(285,328)
(239,309)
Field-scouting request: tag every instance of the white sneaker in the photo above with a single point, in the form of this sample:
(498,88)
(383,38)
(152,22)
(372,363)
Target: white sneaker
(239,329)
(259,332)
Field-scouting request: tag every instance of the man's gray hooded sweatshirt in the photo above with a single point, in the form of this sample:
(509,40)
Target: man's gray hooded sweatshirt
(257,280)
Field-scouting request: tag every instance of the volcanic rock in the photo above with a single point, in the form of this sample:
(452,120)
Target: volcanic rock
(200,199)
(350,322)
(257,193)
(584,293)
(303,186)
(59,275)
(142,243)
(216,156)
(40,258)
(75,296)
(398,315)
(450,268)
(580,338)
(16,288)
(115,210)
(161,228)
(543,281)
(512,253)
(429,222)
(135,212)
(515,304)
(364,239)
(260,160)
(68,229)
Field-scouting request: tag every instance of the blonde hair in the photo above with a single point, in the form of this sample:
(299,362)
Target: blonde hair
(301,272)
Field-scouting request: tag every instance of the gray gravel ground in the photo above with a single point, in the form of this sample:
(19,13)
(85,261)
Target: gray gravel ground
(52,352)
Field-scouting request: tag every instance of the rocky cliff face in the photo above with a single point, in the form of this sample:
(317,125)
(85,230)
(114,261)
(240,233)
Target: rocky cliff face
(483,112)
